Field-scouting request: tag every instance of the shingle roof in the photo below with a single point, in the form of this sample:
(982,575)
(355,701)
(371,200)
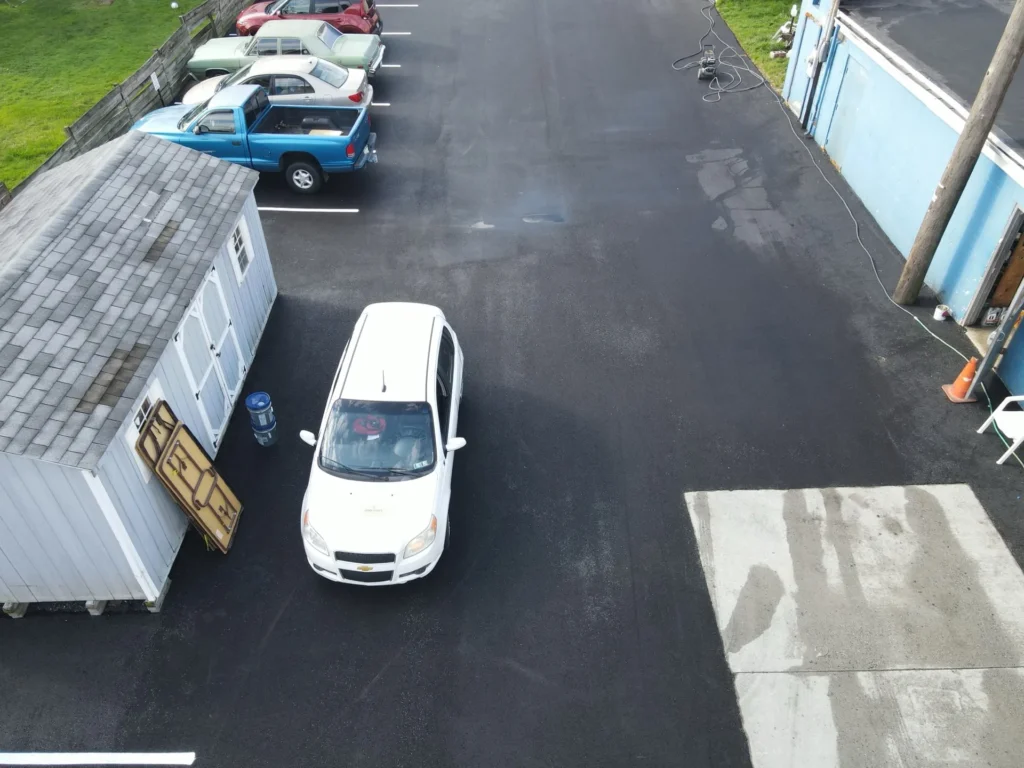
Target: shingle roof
(99,258)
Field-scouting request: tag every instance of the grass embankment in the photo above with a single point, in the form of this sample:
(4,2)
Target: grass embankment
(58,58)
(754,22)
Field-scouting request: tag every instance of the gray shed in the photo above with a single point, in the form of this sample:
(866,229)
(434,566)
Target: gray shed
(133,273)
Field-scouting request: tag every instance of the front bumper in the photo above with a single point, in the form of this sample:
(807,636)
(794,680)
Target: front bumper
(382,574)
(375,64)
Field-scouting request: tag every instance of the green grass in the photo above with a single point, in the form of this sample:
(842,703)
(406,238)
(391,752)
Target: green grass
(58,58)
(754,22)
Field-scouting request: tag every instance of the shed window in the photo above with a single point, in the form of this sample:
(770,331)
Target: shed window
(145,404)
(241,250)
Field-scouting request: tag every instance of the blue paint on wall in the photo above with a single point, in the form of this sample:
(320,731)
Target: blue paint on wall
(892,149)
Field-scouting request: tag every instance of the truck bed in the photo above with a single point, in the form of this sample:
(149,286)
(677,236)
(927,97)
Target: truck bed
(307,121)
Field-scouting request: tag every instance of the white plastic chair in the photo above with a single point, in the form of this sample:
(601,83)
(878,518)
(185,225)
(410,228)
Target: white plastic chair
(1010,423)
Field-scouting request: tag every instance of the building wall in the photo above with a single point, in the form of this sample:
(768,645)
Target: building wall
(155,523)
(890,137)
(55,543)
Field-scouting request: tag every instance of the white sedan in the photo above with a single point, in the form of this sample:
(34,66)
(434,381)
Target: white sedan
(376,506)
(292,80)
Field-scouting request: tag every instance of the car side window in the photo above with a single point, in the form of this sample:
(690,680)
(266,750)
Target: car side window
(445,376)
(266,46)
(327,6)
(291,46)
(297,6)
(261,80)
(254,107)
(221,121)
(289,85)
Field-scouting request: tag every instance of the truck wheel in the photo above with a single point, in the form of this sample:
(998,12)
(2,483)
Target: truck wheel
(303,177)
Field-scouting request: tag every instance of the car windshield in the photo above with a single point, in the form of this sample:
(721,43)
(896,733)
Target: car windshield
(370,440)
(331,74)
(236,78)
(328,35)
(191,115)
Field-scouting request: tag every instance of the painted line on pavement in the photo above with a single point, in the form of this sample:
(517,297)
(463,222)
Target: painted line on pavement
(97,758)
(397,5)
(392,66)
(304,210)
(380,103)
(395,33)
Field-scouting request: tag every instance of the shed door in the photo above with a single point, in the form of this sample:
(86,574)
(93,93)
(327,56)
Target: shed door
(213,360)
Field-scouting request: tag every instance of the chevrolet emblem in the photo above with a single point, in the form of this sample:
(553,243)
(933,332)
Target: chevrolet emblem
(364,568)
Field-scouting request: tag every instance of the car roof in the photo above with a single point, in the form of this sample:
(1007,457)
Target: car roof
(275,65)
(392,347)
(295,28)
(232,96)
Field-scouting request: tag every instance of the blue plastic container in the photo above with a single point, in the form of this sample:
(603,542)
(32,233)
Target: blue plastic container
(261,417)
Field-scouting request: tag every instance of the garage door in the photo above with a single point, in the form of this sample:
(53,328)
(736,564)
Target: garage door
(212,358)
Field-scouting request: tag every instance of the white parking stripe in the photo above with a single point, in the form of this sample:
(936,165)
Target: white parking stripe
(392,66)
(395,33)
(381,104)
(397,5)
(305,210)
(97,758)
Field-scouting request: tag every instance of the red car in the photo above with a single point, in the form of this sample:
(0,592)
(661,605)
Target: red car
(349,16)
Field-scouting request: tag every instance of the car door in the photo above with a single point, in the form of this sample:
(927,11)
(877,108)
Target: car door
(330,11)
(216,133)
(291,89)
(447,411)
(295,9)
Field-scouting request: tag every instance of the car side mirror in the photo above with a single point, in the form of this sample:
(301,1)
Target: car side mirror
(310,439)
(455,443)
(201,129)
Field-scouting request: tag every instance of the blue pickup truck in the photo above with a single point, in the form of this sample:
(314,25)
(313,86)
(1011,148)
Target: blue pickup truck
(239,124)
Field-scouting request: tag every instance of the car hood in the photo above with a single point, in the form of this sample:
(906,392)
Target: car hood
(370,517)
(162,120)
(202,91)
(364,46)
(221,48)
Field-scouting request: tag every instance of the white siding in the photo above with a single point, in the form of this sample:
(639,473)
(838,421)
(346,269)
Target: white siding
(249,303)
(54,541)
(154,522)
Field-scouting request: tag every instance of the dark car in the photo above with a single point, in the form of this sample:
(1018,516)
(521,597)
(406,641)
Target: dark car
(349,16)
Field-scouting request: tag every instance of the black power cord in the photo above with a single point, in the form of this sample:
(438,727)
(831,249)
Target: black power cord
(713,68)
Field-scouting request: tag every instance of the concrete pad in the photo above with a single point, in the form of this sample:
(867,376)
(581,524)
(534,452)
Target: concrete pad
(855,579)
(872,719)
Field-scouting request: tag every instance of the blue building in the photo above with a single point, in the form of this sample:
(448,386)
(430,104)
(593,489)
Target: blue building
(889,101)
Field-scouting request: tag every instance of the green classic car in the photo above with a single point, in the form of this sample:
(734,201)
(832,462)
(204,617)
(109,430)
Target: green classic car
(224,55)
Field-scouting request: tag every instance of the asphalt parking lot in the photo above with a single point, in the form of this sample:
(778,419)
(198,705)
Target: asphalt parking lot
(655,296)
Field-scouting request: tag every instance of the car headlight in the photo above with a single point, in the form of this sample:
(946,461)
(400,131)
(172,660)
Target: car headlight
(422,540)
(314,539)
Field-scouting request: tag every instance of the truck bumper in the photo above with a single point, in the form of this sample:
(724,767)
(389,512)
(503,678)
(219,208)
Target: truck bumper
(369,153)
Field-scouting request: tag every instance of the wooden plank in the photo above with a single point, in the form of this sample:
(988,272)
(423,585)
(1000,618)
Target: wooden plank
(1011,278)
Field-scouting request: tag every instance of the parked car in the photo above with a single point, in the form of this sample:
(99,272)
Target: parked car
(240,125)
(375,510)
(292,80)
(348,16)
(224,55)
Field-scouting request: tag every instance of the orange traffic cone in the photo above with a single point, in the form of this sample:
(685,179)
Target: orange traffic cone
(957,391)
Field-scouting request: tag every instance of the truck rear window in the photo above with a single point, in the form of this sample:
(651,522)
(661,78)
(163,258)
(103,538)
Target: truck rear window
(306,121)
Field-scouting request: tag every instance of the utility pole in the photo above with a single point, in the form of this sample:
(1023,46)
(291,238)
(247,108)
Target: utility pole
(965,156)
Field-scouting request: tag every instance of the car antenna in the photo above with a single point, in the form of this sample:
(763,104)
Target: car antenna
(383,383)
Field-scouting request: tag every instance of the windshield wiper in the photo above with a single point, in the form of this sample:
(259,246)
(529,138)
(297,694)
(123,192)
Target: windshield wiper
(337,466)
(404,472)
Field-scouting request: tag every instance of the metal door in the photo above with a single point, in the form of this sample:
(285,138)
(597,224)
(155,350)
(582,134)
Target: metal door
(213,360)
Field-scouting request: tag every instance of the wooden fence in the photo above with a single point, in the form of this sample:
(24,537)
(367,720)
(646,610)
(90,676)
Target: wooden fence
(115,113)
